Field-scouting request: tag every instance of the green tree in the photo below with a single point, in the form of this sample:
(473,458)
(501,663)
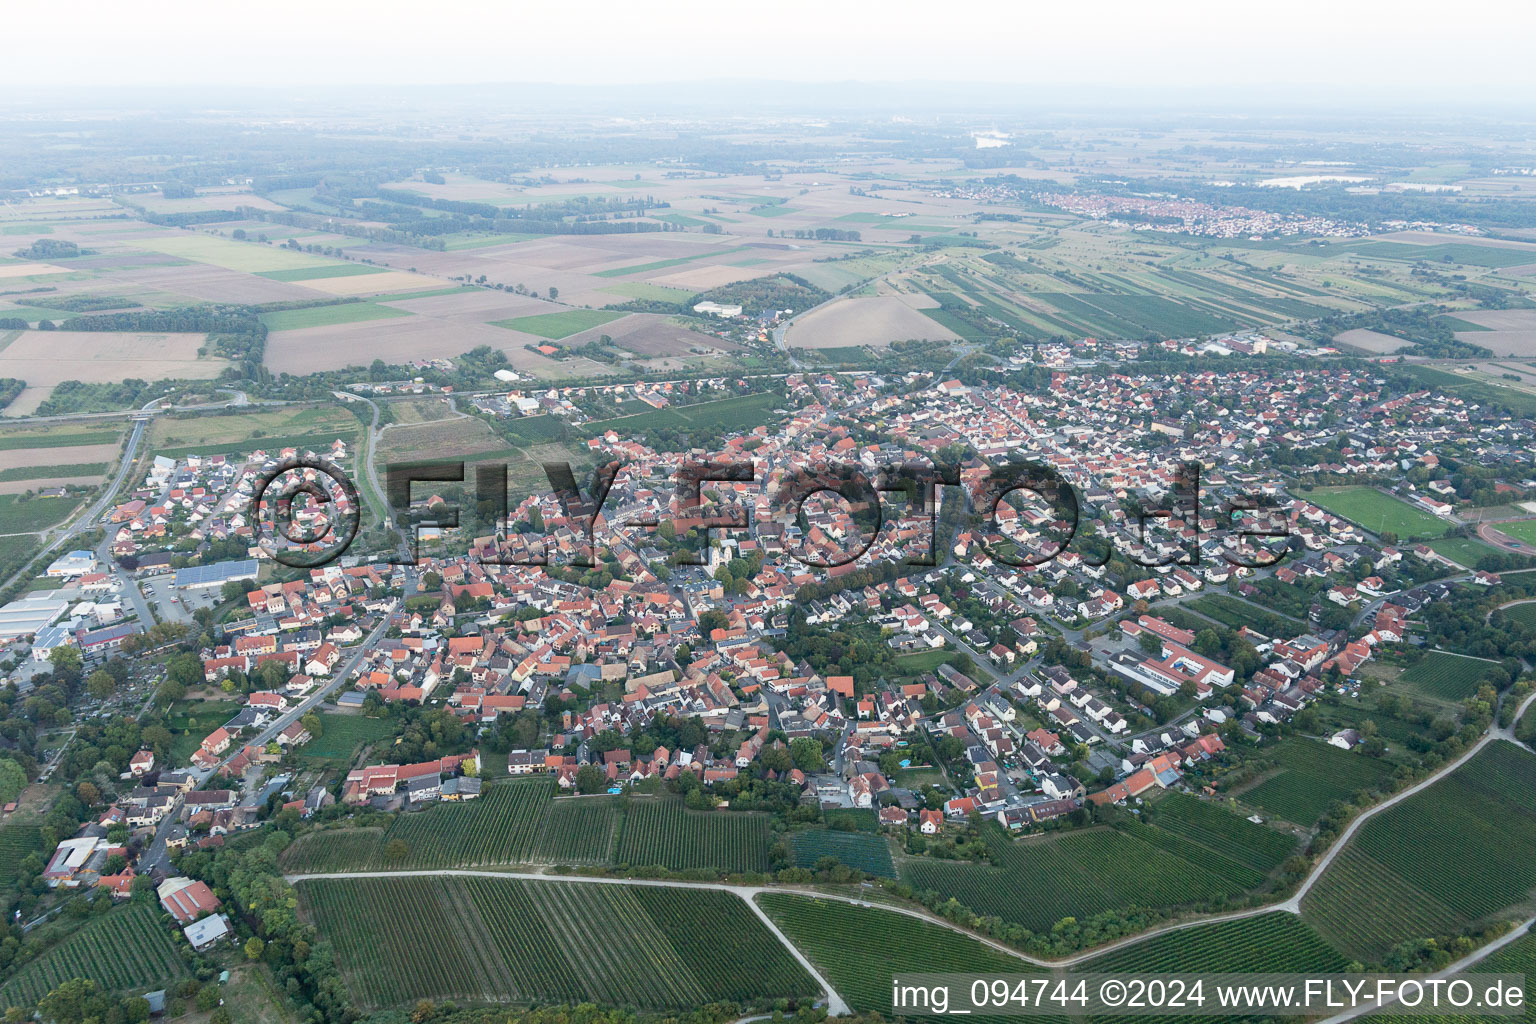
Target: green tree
(254,947)
(100,684)
(65,658)
(590,779)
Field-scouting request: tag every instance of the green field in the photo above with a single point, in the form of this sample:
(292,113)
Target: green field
(1277,942)
(739,414)
(860,949)
(246,257)
(1524,530)
(1312,776)
(1377,512)
(653,292)
(661,832)
(59,437)
(499,941)
(128,950)
(1448,677)
(1465,551)
(1519,957)
(329,316)
(321,273)
(1257,847)
(52,472)
(1234,613)
(1525,614)
(18,838)
(868,853)
(33,514)
(1452,855)
(506,825)
(857,818)
(641,268)
(341,736)
(1040,880)
(560,325)
(1471,389)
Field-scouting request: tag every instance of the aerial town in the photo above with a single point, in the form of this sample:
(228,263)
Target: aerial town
(694,576)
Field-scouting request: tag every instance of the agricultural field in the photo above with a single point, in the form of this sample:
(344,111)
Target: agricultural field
(1257,847)
(499,941)
(126,950)
(1447,677)
(741,413)
(18,838)
(1311,777)
(501,827)
(1078,874)
(578,830)
(875,321)
(1519,957)
(662,832)
(329,316)
(1377,512)
(860,949)
(1457,853)
(1525,614)
(448,439)
(29,515)
(45,359)
(560,325)
(229,433)
(868,853)
(1277,942)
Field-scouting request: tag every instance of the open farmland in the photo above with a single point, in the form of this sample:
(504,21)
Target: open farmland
(1447,677)
(871,320)
(128,950)
(1519,957)
(328,316)
(514,822)
(661,832)
(1505,332)
(449,439)
(19,836)
(740,414)
(45,359)
(29,515)
(868,853)
(560,325)
(501,827)
(859,949)
(1377,512)
(1311,776)
(1268,942)
(241,431)
(490,940)
(1041,880)
(1452,855)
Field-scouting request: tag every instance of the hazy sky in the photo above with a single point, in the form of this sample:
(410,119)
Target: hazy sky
(1468,49)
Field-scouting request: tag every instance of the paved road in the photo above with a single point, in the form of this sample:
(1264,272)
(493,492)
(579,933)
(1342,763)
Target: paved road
(155,854)
(92,515)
